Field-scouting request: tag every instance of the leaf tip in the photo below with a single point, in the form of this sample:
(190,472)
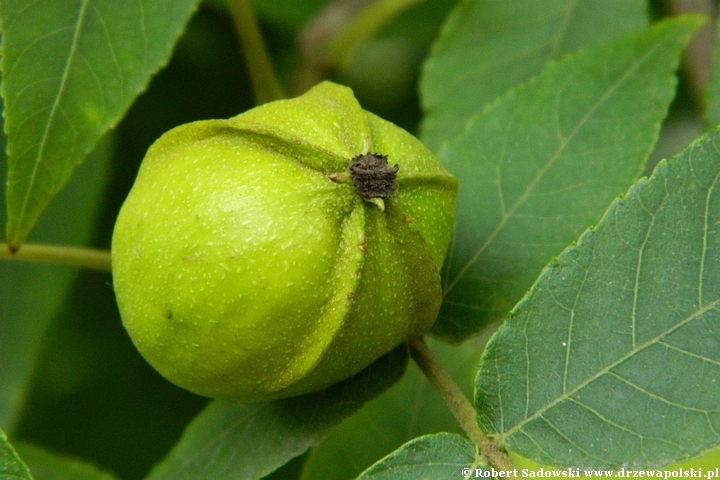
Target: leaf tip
(691,22)
(13,238)
(695,20)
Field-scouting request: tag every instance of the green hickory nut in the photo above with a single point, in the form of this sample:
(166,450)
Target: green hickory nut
(277,253)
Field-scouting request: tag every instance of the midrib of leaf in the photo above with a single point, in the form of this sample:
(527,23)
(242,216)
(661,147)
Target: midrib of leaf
(606,370)
(563,144)
(55,106)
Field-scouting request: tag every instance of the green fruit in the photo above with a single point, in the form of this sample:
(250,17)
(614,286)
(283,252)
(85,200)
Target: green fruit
(247,264)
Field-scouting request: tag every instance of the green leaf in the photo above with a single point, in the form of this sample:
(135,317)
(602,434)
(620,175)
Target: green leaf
(70,70)
(49,466)
(410,409)
(253,440)
(541,164)
(443,455)
(32,294)
(488,46)
(11,467)
(712,91)
(613,358)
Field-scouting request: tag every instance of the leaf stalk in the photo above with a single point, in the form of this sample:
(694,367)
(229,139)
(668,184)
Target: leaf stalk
(263,77)
(89,258)
(459,405)
(328,42)
(342,46)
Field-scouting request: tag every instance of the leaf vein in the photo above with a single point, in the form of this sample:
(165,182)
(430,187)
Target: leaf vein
(603,418)
(658,397)
(636,281)
(706,221)
(568,340)
(143,29)
(562,31)
(610,90)
(617,362)
(622,427)
(24,52)
(55,106)
(688,353)
(567,439)
(539,446)
(219,437)
(110,45)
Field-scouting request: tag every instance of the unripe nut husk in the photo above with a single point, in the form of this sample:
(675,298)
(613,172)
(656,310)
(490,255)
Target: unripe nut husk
(246,264)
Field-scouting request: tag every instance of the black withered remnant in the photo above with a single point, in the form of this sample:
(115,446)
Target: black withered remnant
(372,176)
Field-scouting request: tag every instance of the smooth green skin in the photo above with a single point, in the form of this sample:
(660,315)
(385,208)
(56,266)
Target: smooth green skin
(242,271)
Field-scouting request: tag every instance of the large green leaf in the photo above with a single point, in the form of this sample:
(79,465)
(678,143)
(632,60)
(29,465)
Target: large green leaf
(11,467)
(541,164)
(250,441)
(49,466)
(613,358)
(410,409)
(70,70)
(32,294)
(442,455)
(488,46)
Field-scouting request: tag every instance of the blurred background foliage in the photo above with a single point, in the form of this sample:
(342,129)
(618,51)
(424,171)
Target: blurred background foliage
(90,394)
